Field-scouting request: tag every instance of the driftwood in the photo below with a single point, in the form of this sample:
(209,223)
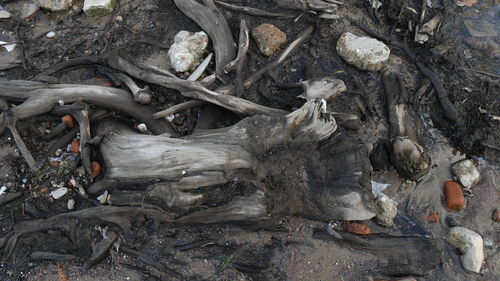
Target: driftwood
(410,159)
(253,11)
(171,168)
(239,62)
(211,20)
(40,98)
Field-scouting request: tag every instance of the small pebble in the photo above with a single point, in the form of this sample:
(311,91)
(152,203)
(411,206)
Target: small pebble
(170,117)
(51,34)
(119,18)
(81,190)
(5,15)
(496,215)
(142,127)
(59,152)
(356,228)
(71,204)
(451,222)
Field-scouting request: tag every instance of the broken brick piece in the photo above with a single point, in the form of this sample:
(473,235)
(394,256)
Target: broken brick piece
(454,196)
(356,228)
(95,167)
(68,119)
(75,146)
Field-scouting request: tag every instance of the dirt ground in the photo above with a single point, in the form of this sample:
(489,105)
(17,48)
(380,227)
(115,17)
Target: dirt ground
(143,30)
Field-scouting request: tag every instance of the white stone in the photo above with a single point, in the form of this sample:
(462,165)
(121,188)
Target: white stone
(466,172)
(187,50)
(387,209)
(54,5)
(142,127)
(51,34)
(470,244)
(28,10)
(103,198)
(363,52)
(98,7)
(5,15)
(71,204)
(58,193)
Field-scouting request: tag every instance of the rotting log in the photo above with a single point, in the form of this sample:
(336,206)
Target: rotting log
(172,168)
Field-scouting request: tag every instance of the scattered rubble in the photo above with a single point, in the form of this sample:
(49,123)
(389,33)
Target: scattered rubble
(363,52)
(466,173)
(387,210)
(98,7)
(54,5)
(470,244)
(454,196)
(187,50)
(269,38)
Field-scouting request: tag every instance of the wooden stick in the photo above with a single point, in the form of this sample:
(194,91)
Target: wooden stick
(11,124)
(254,11)
(178,107)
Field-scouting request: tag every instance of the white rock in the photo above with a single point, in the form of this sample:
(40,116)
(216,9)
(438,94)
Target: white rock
(58,193)
(54,5)
(71,204)
(363,52)
(388,209)
(142,127)
(98,7)
(103,198)
(28,10)
(5,15)
(51,34)
(187,50)
(470,244)
(466,172)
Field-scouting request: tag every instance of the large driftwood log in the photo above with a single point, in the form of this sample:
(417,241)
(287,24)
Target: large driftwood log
(174,167)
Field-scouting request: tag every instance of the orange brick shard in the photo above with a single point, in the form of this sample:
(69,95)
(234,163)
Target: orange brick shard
(454,196)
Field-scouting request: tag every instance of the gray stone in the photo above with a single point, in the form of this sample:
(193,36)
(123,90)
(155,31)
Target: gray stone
(98,7)
(28,10)
(466,172)
(470,244)
(5,15)
(54,5)
(387,210)
(363,52)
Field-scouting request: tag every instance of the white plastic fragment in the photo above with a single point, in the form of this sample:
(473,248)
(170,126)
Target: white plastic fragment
(58,193)
(377,188)
(71,204)
(323,106)
(186,52)
(8,47)
(3,190)
(50,34)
